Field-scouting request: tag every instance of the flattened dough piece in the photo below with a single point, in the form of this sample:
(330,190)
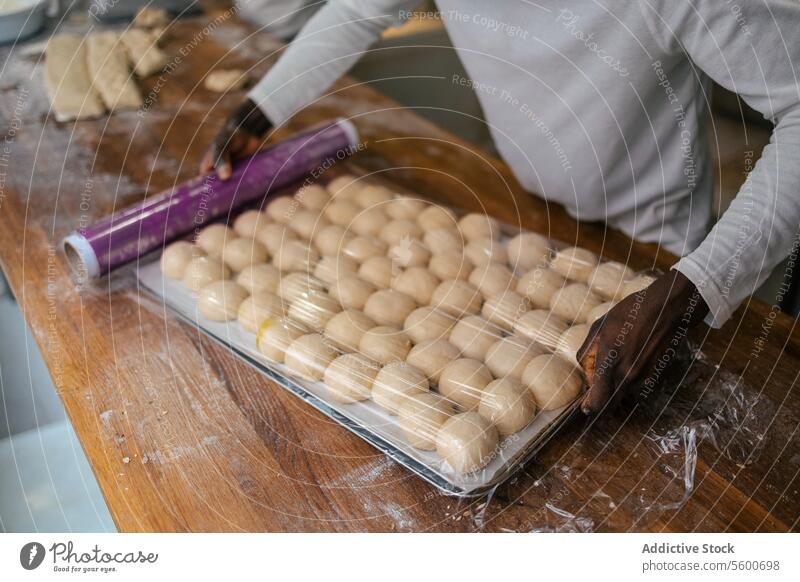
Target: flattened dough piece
(67,78)
(144,56)
(225,80)
(111,76)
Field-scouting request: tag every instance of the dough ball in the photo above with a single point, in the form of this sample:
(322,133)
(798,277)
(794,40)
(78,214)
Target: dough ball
(378,271)
(369,222)
(638,283)
(421,416)
(539,285)
(202,271)
(342,212)
(349,378)
(435,217)
(345,329)
(597,312)
(281,208)
(176,258)
(212,239)
(309,356)
(457,298)
(474,335)
(574,302)
(427,323)
(241,253)
(274,235)
(256,309)
(295,255)
(574,263)
(509,356)
(261,277)
(314,309)
(467,441)
(463,381)
(485,250)
(416,282)
(405,208)
(541,326)
(441,240)
(361,248)
(396,383)
(571,341)
(505,308)
(345,187)
(274,338)
(410,253)
(330,239)
(432,357)
(450,265)
(475,226)
(553,381)
(296,285)
(372,195)
(351,291)
(398,231)
(313,197)
(493,279)
(248,223)
(385,344)
(527,251)
(220,300)
(607,279)
(331,268)
(307,223)
(508,405)
(389,307)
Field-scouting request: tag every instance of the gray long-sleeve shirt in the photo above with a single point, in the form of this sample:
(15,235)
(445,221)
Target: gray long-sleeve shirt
(602,107)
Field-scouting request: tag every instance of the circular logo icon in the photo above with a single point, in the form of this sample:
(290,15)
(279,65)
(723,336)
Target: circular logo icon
(31,555)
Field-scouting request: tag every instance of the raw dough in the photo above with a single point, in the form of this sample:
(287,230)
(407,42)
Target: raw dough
(473,335)
(176,257)
(307,223)
(385,344)
(421,416)
(574,263)
(431,357)
(405,207)
(607,279)
(346,328)
(212,239)
(342,212)
(416,282)
(467,442)
(435,217)
(509,356)
(274,235)
(257,278)
(457,298)
(508,405)
(541,326)
(330,239)
(527,251)
(313,197)
(362,248)
(571,341)
(492,279)
(314,309)
(427,323)
(226,80)
(485,250)
(151,17)
(396,383)
(249,222)
(389,307)
(553,381)
(441,240)
(352,291)
(349,378)
(599,311)
(462,381)
(505,308)
(142,50)
(345,186)
(309,356)
(202,271)
(275,337)
(398,231)
(295,255)
(332,268)
(378,271)
(281,209)
(539,285)
(254,310)
(450,265)
(574,302)
(241,253)
(638,283)
(296,285)
(372,195)
(410,253)
(109,71)
(68,81)
(220,300)
(369,222)
(476,226)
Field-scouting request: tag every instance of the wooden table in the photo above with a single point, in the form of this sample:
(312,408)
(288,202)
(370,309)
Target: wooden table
(184,437)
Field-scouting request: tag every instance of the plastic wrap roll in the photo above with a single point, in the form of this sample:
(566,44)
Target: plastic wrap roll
(134,231)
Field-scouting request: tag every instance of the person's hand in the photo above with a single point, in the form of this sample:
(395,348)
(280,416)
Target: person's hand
(636,340)
(241,136)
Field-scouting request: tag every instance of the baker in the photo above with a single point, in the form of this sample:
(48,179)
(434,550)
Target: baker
(602,107)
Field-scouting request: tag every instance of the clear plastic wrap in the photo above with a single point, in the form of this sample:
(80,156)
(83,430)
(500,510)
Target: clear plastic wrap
(445,339)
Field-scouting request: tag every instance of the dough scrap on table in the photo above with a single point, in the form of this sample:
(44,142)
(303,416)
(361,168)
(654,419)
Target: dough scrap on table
(110,73)
(227,80)
(67,78)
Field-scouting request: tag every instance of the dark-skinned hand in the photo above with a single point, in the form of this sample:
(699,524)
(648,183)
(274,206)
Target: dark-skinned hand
(241,136)
(637,338)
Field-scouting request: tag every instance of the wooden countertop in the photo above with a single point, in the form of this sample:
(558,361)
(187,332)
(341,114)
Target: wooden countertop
(184,437)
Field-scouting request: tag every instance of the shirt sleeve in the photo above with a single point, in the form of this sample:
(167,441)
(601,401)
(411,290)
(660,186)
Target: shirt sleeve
(753,49)
(326,47)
